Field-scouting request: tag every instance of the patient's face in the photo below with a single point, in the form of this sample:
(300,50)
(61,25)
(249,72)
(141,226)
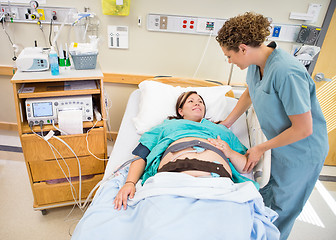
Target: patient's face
(193,109)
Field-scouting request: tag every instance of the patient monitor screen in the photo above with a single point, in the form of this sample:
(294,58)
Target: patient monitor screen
(42,109)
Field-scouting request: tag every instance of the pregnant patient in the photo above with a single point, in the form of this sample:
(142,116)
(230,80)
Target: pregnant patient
(186,143)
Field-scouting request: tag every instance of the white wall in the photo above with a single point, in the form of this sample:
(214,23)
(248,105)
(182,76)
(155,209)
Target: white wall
(154,53)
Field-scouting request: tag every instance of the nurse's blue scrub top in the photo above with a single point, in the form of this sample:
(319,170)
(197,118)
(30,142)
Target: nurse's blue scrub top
(287,89)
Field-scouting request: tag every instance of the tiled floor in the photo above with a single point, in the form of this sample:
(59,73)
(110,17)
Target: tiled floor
(18,220)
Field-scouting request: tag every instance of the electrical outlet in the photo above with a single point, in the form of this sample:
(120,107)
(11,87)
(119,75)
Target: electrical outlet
(163,22)
(188,23)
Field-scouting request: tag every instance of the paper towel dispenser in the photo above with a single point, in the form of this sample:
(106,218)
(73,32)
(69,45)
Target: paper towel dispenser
(47,109)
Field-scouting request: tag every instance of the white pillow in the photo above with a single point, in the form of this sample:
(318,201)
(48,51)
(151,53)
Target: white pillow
(158,100)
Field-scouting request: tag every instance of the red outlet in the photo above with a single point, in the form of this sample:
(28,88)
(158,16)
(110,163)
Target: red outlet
(190,24)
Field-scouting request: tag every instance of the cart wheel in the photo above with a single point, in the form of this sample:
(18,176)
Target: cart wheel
(44,212)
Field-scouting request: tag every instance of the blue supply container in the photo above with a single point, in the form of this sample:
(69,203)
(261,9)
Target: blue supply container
(53,59)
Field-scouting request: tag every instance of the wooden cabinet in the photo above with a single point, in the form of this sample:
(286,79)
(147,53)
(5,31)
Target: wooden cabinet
(48,168)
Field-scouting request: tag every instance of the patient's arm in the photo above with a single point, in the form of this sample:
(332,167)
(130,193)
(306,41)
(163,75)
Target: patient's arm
(134,173)
(238,160)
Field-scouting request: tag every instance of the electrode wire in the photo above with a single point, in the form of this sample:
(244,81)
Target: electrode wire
(203,55)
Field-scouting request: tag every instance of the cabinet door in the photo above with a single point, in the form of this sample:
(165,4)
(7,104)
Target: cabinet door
(46,194)
(55,169)
(326,91)
(36,149)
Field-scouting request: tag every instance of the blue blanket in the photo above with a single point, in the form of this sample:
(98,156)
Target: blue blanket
(230,211)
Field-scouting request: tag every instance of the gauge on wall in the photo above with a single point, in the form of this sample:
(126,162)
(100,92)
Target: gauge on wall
(33,4)
(308,35)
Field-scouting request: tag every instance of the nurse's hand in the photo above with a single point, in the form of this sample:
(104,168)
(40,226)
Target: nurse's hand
(253,156)
(226,123)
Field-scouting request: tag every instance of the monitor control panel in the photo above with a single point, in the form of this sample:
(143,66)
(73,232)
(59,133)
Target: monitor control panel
(46,110)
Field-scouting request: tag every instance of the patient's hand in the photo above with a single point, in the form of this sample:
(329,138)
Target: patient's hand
(222,145)
(121,199)
(238,160)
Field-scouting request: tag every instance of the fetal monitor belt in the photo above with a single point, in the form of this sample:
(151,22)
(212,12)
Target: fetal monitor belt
(194,143)
(181,165)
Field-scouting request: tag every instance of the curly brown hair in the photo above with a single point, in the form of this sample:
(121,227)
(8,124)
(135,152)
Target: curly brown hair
(249,28)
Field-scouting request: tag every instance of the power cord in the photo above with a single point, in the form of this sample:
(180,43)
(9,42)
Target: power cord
(79,167)
(15,47)
(203,55)
(53,149)
(50,135)
(87,143)
(108,105)
(58,129)
(41,126)
(103,181)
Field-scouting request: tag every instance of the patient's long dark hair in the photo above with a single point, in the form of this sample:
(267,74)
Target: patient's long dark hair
(181,101)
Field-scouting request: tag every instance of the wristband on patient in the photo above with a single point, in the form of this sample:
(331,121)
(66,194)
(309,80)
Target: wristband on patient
(130,182)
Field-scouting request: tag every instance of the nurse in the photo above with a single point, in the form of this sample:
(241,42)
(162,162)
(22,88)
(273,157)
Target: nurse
(284,98)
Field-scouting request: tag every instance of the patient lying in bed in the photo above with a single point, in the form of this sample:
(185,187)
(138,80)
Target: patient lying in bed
(186,143)
(171,205)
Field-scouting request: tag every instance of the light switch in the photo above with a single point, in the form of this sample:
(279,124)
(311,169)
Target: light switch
(117,36)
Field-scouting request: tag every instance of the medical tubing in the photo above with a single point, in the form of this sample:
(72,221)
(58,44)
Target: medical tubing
(45,39)
(60,130)
(198,150)
(52,148)
(87,143)
(108,105)
(202,58)
(79,168)
(100,183)
(60,30)
(10,40)
(126,163)
(86,28)
(50,31)
(184,152)
(41,126)
(72,188)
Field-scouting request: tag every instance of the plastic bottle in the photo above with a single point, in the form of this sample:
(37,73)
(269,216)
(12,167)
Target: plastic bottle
(53,59)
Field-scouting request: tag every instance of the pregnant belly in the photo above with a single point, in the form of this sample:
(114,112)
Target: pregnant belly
(207,155)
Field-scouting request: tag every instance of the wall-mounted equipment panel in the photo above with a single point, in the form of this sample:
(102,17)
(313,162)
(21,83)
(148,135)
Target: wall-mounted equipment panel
(183,24)
(284,32)
(29,14)
(207,26)
(117,36)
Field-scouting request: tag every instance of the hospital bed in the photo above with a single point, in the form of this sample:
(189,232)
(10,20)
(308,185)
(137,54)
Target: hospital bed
(175,205)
